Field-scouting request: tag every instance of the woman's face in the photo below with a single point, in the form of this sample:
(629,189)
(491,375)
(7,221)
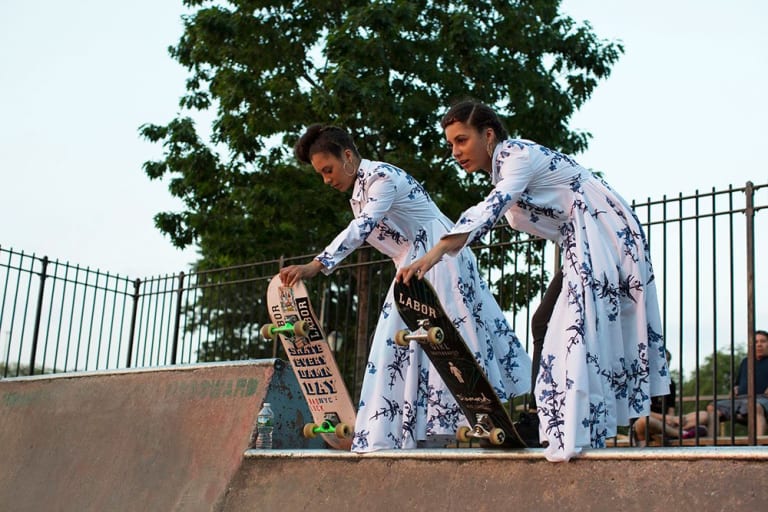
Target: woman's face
(761,346)
(337,172)
(469,147)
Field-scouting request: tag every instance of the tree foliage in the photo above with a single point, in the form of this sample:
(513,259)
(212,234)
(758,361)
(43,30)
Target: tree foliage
(716,375)
(384,70)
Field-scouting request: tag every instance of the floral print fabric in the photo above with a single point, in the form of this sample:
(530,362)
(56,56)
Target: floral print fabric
(603,354)
(403,400)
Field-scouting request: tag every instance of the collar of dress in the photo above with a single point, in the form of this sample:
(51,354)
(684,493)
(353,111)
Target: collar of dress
(495,165)
(359,191)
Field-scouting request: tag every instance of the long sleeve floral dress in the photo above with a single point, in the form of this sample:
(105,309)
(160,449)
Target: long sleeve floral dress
(401,400)
(603,354)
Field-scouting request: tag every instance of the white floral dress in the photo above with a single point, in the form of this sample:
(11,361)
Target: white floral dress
(401,400)
(603,354)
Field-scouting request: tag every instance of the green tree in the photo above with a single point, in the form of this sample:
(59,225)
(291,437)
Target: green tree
(384,70)
(715,376)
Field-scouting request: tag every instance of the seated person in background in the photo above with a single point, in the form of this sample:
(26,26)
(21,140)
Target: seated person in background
(740,394)
(662,417)
(739,413)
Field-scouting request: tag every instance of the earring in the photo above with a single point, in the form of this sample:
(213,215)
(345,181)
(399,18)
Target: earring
(344,167)
(490,147)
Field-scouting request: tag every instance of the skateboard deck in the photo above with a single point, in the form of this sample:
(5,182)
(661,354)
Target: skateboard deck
(428,324)
(313,363)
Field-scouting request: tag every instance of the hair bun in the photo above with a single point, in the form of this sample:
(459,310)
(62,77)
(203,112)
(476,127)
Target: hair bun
(301,150)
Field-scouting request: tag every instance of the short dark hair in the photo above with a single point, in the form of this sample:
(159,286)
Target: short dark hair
(321,138)
(475,114)
(760,331)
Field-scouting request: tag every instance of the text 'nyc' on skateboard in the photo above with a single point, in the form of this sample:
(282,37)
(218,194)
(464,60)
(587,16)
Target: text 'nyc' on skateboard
(428,324)
(310,356)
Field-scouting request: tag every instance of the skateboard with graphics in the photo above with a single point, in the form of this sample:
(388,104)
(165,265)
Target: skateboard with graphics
(428,324)
(295,323)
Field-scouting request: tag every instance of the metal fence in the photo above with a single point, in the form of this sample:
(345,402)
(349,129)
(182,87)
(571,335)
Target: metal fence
(59,317)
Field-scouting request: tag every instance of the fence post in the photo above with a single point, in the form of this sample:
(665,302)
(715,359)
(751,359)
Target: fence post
(361,333)
(132,332)
(38,316)
(749,211)
(177,320)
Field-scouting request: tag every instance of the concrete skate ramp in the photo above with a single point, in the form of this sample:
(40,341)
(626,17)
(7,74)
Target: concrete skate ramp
(168,439)
(177,439)
(621,479)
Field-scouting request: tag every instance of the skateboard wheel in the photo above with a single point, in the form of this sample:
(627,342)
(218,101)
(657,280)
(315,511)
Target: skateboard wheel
(497,436)
(343,431)
(400,338)
(309,430)
(266,331)
(435,335)
(300,328)
(461,434)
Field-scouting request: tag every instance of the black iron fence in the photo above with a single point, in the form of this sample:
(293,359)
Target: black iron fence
(707,249)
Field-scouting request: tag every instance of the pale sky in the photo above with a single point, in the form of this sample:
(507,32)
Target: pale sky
(684,109)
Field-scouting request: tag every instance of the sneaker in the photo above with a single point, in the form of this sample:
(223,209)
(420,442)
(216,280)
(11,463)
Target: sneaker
(700,431)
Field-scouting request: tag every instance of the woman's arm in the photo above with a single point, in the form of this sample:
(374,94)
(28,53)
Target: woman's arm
(294,273)
(448,244)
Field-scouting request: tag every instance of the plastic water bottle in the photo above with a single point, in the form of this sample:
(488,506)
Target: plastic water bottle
(264,427)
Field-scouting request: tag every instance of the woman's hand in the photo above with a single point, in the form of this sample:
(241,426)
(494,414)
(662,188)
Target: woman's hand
(418,268)
(421,266)
(294,273)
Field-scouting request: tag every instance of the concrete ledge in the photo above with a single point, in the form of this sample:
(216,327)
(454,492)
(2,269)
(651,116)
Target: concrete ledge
(751,453)
(636,479)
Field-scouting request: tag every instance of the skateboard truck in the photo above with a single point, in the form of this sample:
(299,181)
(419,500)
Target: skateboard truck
(331,425)
(483,429)
(425,333)
(298,328)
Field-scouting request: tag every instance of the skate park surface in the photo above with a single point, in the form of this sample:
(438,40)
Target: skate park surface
(181,437)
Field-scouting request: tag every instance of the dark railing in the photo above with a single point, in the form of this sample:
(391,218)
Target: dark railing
(58,317)
(703,248)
